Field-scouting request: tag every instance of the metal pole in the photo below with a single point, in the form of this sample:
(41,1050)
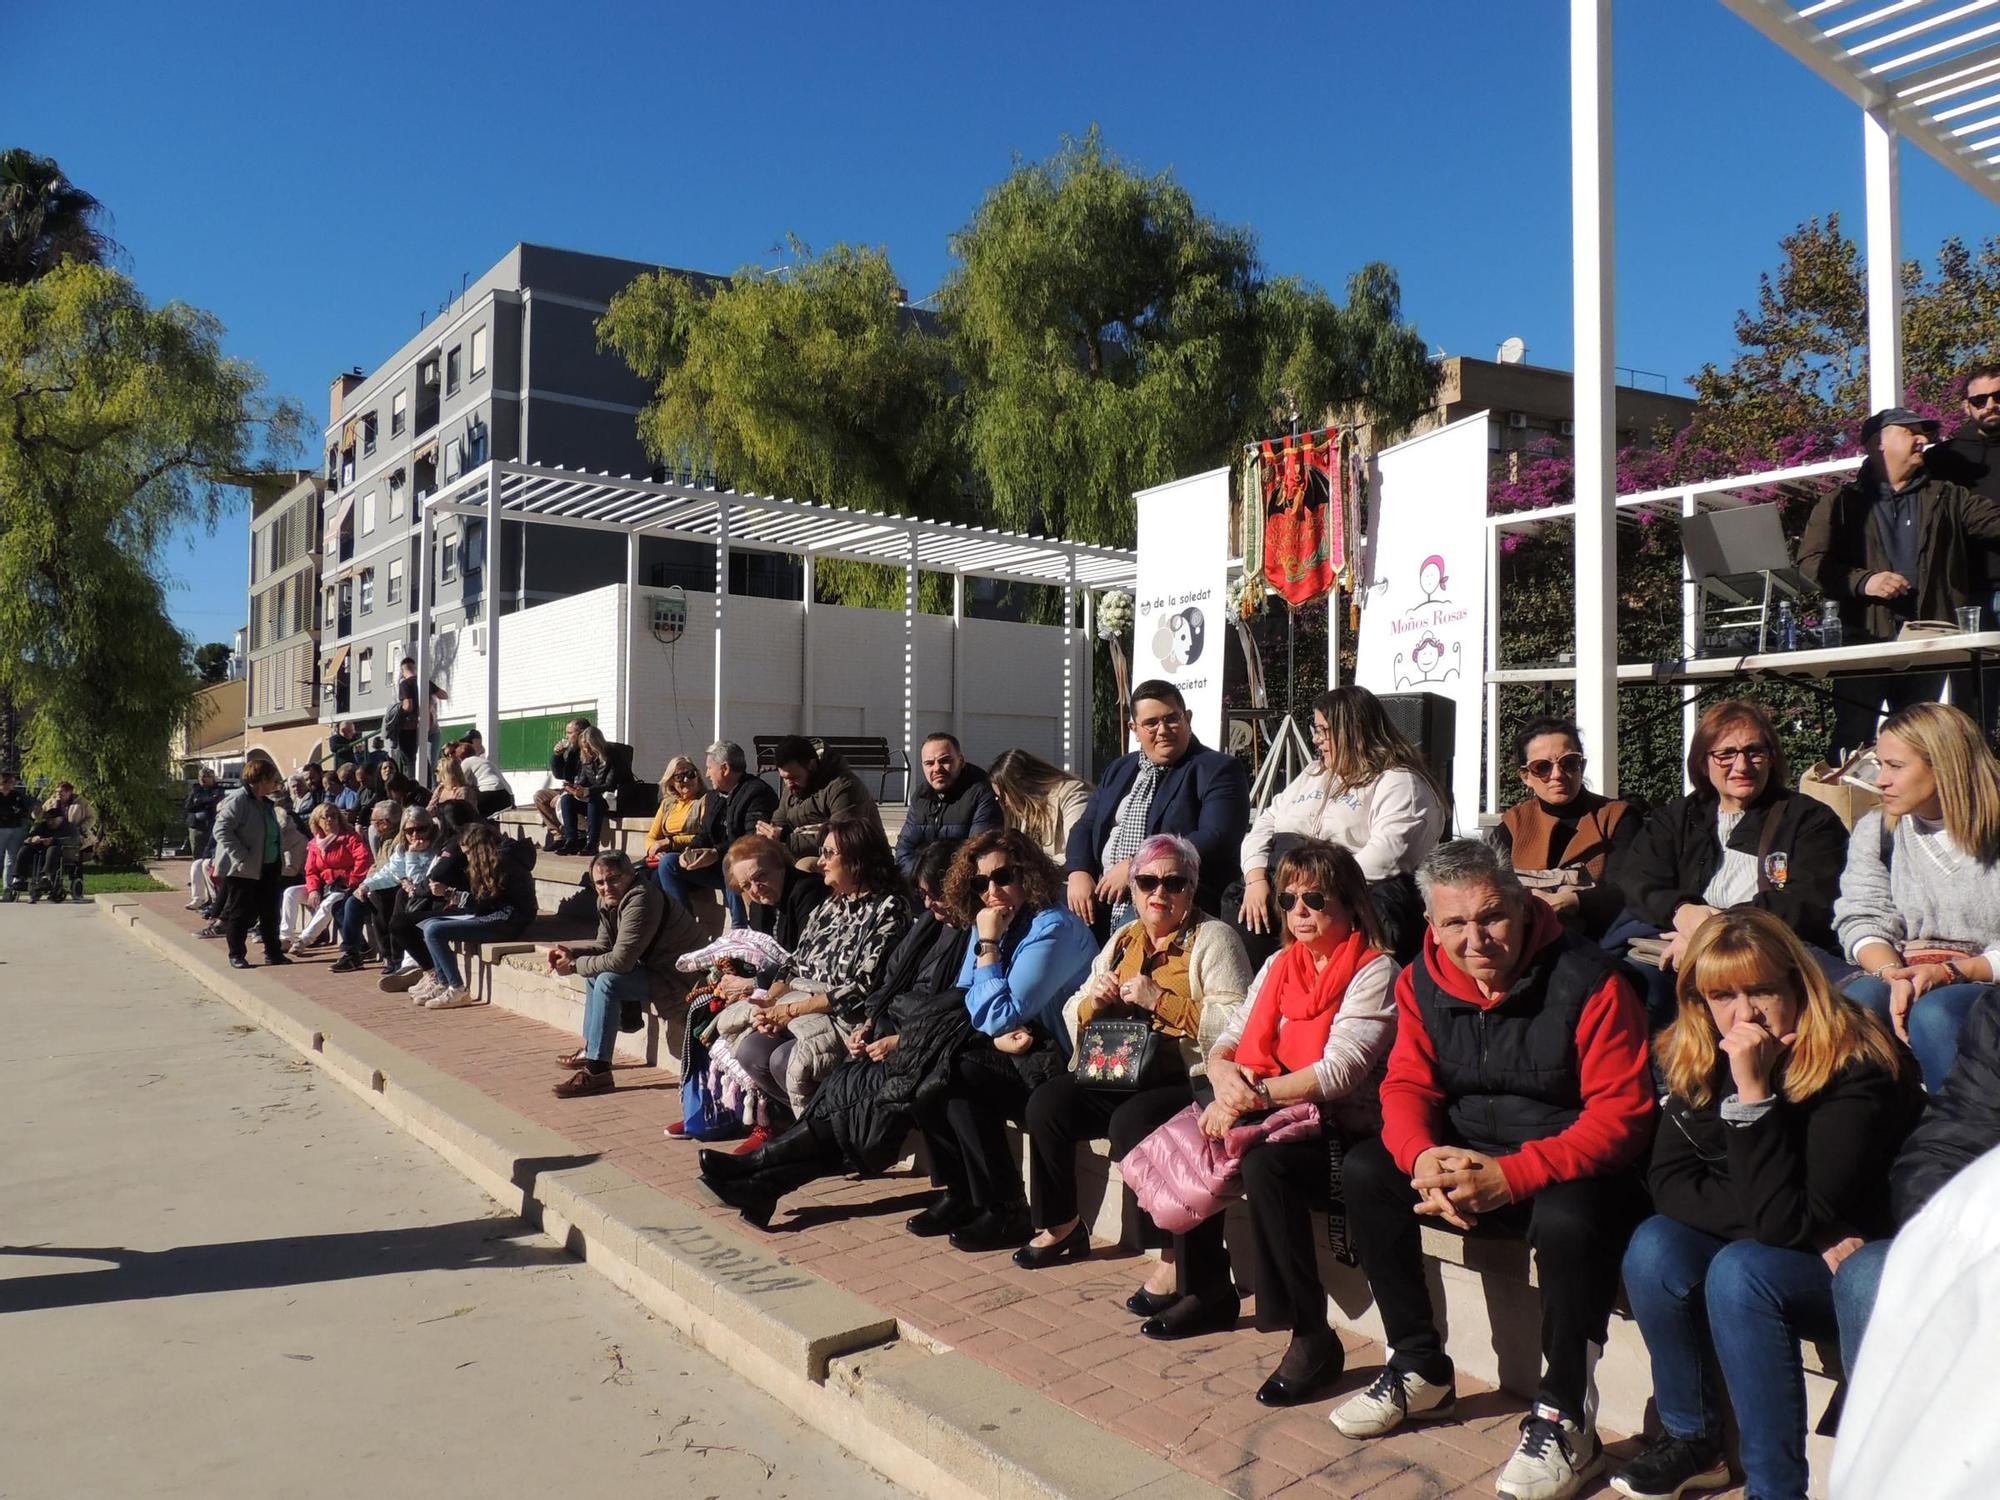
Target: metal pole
(807,667)
(958,655)
(490,603)
(721,611)
(1087,707)
(1595,384)
(1069,668)
(1885,260)
(629,660)
(910,663)
(421,649)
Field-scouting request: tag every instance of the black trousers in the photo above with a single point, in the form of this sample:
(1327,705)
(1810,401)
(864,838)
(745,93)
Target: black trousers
(1283,1183)
(493,802)
(396,933)
(1578,1230)
(1063,1114)
(247,903)
(965,1128)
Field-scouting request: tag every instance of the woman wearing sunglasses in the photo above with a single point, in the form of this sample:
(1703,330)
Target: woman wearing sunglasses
(1562,835)
(677,821)
(1173,967)
(1742,837)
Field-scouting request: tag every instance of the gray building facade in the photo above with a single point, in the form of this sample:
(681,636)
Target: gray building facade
(281,642)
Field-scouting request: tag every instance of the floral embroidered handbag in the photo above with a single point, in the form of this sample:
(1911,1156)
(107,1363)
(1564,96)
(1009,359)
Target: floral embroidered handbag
(1115,1054)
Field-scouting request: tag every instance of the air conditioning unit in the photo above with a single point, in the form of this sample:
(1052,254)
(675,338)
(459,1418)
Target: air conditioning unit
(1517,421)
(475,639)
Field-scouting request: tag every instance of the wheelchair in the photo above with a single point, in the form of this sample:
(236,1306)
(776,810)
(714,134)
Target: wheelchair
(54,870)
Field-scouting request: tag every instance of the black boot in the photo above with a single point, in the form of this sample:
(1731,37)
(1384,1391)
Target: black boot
(797,1147)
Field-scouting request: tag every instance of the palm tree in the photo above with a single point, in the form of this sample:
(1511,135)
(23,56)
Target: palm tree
(45,219)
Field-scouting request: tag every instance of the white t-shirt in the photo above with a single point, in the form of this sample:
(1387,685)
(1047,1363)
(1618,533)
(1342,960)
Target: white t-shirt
(481,774)
(1735,880)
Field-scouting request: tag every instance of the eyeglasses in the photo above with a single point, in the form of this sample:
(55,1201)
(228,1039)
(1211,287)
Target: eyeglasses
(1004,876)
(1173,885)
(1314,900)
(686,775)
(1570,765)
(1754,755)
(1161,724)
(1984,398)
(829,851)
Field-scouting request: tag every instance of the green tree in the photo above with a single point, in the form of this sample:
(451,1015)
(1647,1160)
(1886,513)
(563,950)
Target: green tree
(211,662)
(118,417)
(1112,336)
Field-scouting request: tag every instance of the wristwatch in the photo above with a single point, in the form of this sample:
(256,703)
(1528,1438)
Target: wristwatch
(986,946)
(1263,1089)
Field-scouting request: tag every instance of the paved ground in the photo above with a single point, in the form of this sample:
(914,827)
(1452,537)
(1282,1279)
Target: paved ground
(222,1275)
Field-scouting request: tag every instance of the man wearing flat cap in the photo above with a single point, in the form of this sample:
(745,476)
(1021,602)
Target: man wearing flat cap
(1895,544)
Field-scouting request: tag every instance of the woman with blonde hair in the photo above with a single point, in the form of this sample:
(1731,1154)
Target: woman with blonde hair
(1919,905)
(1785,1105)
(677,821)
(451,785)
(1045,802)
(595,776)
(336,862)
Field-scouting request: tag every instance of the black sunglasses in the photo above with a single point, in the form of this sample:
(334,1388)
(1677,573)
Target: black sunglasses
(1003,876)
(1570,765)
(1173,885)
(1982,399)
(1314,900)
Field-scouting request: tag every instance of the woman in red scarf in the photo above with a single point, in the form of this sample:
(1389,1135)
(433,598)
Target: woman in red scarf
(1315,1027)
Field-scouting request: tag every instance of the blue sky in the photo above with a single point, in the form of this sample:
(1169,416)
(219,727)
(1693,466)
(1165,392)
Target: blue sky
(315,176)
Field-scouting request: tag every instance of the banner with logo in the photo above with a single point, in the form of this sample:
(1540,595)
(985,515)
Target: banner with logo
(1423,620)
(1179,612)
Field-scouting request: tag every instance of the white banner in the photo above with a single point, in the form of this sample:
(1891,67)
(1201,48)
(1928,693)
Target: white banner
(1179,613)
(1423,621)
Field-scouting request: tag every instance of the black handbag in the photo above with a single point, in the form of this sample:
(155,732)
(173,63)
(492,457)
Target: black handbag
(1115,1054)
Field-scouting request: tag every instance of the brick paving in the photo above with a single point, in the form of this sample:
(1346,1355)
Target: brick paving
(1063,1331)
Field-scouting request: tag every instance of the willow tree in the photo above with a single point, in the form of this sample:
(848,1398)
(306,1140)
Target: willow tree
(116,417)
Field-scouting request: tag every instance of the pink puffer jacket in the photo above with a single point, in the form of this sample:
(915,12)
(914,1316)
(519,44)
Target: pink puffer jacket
(1182,1178)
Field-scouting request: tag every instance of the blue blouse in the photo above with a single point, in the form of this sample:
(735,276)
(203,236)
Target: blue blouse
(1044,957)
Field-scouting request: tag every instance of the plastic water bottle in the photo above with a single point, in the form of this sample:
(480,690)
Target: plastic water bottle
(1788,627)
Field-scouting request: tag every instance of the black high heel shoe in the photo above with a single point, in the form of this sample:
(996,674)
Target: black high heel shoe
(1286,1390)
(749,1196)
(726,1166)
(1145,1304)
(1191,1317)
(1073,1246)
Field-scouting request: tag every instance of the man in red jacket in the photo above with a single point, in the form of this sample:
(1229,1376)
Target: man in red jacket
(1518,1097)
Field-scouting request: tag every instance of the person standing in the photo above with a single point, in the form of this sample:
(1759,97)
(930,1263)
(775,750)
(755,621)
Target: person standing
(16,807)
(199,811)
(1970,457)
(249,863)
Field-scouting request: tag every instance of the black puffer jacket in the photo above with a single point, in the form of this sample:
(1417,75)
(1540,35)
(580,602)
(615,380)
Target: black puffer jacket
(1676,855)
(1962,1122)
(966,807)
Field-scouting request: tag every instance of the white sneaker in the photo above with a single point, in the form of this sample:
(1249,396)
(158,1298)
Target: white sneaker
(425,990)
(1395,1396)
(396,982)
(450,999)
(1554,1460)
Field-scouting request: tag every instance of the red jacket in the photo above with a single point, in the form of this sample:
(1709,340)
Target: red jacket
(344,858)
(1613,1073)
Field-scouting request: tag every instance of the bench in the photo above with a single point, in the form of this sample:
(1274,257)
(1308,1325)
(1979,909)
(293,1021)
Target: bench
(862,752)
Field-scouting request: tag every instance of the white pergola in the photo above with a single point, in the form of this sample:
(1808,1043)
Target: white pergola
(728,519)
(1923,70)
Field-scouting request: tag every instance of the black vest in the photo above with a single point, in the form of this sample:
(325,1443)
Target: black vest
(1509,1073)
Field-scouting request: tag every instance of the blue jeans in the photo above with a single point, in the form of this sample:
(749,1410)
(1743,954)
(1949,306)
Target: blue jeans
(1855,1286)
(441,932)
(604,996)
(10,848)
(682,884)
(593,810)
(1707,1305)
(353,919)
(1934,1021)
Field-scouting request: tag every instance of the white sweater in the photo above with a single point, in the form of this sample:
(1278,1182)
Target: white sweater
(1388,825)
(1349,1074)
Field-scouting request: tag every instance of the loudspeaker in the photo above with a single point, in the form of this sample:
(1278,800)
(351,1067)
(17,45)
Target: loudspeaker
(1430,722)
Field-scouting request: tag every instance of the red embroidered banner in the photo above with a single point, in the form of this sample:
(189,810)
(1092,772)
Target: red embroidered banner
(1304,541)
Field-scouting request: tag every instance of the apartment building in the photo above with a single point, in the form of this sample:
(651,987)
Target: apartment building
(510,370)
(280,647)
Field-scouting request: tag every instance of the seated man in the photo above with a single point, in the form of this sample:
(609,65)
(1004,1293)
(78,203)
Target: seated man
(1171,784)
(639,935)
(955,802)
(1517,1096)
(564,760)
(43,851)
(818,789)
(489,787)
(741,803)
(1895,544)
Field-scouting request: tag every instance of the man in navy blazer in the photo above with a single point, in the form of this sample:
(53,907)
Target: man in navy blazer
(1203,795)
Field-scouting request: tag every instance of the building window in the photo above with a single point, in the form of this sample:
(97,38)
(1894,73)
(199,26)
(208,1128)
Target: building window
(475,443)
(364,672)
(396,581)
(478,352)
(448,559)
(454,459)
(399,413)
(451,372)
(475,546)
(368,434)
(367,590)
(367,513)
(397,489)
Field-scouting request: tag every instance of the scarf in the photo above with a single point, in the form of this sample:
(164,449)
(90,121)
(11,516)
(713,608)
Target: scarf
(1307,1003)
(1131,831)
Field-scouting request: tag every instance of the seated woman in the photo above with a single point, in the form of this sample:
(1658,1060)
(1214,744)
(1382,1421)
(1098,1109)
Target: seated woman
(451,785)
(1741,838)
(1315,1028)
(955,1068)
(778,898)
(677,821)
(1562,836)
(1045,802)
(1919,907)
(790,1035)
(1179,969)
(336,862)
(1786,1103)
(488,897)
(393,785)
(384,894)
(584,797)
(1374,795)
